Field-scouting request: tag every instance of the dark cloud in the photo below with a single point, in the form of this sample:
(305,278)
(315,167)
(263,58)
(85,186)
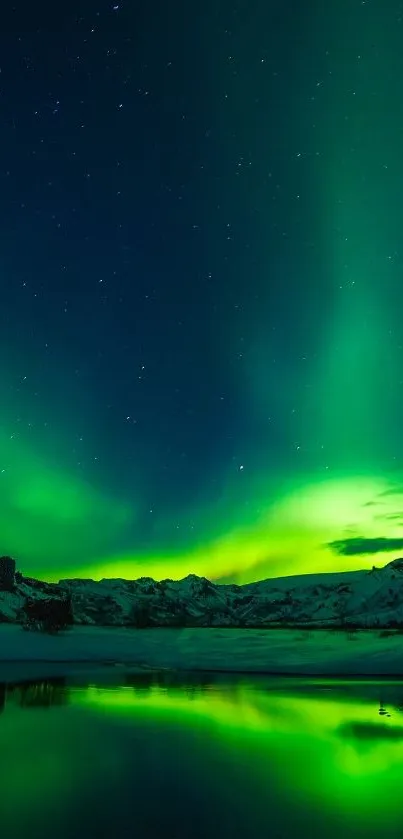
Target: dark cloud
(396,490)
(376,502)
(360,545)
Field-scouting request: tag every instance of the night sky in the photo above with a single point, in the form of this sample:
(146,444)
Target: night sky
(201,287)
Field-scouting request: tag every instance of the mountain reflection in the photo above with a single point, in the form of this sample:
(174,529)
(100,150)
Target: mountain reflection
(43,694)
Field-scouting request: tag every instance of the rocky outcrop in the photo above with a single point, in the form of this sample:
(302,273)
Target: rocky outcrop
(7,573)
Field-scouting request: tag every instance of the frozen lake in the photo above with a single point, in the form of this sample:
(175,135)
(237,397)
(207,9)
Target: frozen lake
(227,650)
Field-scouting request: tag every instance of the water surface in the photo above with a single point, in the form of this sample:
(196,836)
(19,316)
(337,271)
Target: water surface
(186,758)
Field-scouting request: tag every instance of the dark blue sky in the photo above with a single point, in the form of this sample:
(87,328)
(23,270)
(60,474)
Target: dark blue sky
(167,283)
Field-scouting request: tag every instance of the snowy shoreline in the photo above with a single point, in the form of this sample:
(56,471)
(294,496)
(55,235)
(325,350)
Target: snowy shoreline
(274,651)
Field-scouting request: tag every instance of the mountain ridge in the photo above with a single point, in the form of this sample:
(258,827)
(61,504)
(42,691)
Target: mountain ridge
(363,599)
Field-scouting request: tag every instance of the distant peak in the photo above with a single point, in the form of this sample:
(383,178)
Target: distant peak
(396,563)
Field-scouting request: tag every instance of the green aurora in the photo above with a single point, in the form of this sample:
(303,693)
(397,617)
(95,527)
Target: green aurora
(330,495)
(48,517)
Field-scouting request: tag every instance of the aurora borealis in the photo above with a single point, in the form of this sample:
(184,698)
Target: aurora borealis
(201,287)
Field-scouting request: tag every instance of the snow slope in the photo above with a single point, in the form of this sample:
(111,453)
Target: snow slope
(367,599)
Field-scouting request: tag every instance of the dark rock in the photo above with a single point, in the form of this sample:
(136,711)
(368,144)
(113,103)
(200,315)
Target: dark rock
(7,573)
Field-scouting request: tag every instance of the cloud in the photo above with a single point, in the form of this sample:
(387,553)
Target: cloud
(360,545)
(395,490)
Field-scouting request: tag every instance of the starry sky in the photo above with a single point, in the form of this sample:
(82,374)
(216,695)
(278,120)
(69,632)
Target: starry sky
(201,342)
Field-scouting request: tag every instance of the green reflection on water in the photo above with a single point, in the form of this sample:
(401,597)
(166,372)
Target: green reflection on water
(337,748)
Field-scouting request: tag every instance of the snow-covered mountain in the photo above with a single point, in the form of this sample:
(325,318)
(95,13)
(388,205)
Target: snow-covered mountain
(356,598)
